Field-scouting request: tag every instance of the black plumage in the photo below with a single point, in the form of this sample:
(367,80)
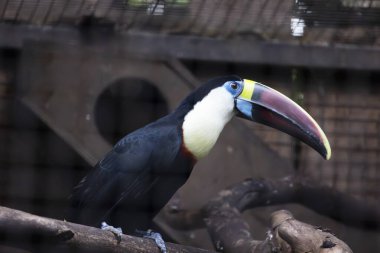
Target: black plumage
(130,185)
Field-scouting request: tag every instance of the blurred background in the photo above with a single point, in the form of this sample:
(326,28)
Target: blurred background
(75,76)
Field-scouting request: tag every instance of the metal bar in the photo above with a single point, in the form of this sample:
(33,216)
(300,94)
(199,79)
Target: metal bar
(119,20)
(150,16)
(165,16)
(195,16)
(337,134)
(18,11)
(79,10)
(63,11)
(276,11)
(342,105)
(210,17)
(225,20)
(243,14)
(133,18)
(47,14)
(33,13)
(318,118)
(4,10)
(95,6)
(189,47)
(155,6)
(375,163)
(107,12)
(163,26)
(288,15)
(258,18)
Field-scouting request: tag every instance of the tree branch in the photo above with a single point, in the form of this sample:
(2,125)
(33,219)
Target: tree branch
(231,233)
(221,216)
(17,228)
(253,193)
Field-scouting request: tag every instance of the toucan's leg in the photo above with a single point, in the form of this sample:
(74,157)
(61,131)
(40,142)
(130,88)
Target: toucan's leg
(156,237)
(116,231)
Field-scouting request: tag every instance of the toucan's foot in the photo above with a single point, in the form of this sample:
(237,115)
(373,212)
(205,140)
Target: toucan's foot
(118,232)
(156,237)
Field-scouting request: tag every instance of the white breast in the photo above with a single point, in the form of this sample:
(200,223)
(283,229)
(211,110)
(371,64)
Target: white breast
(203,124)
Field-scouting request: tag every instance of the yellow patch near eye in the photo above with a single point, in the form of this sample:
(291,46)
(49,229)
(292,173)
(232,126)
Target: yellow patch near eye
(249,87)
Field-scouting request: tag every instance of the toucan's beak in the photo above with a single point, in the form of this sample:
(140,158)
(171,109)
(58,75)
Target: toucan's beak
(265,105)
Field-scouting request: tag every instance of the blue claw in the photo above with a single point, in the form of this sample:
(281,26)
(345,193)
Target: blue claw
(118,232)
(156,237)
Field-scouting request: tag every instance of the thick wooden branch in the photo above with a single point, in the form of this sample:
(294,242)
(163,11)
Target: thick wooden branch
(323,199)
(18,229)
(263,192)
(221,216)
(231,233)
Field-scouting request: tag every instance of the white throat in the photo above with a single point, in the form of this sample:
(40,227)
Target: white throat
(203,125)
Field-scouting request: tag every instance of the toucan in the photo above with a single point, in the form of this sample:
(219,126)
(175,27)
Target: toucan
(145,168)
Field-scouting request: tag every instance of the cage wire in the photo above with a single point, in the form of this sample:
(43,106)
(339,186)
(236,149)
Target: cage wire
(308,21)
(351,122)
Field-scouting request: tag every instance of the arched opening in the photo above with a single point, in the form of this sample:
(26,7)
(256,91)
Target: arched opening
(126,105)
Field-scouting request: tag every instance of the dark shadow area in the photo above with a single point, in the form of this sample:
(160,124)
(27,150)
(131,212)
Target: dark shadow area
(38,168)
(126,105)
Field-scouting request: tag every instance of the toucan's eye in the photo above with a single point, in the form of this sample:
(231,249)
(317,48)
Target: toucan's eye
(234,85)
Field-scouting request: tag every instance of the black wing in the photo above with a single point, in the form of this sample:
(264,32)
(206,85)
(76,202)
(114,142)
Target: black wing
(134,180)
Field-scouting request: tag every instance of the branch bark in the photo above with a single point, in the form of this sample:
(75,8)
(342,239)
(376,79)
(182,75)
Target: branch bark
(221,216)
(17,228)
(293,236)
(230,233)
(263,192)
